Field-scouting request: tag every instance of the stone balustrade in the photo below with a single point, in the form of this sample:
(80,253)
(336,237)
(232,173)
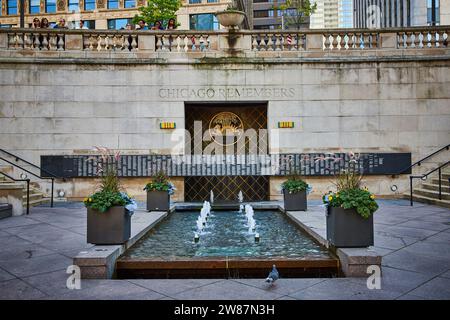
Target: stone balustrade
(247,42)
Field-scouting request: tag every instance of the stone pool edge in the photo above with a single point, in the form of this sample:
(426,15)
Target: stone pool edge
(99,261)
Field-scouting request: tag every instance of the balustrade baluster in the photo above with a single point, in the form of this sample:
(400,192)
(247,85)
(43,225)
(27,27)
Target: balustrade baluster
(193,43)
(60,42)
(254,43)
(186,43)
(28,43)
(45,40)
(134,44)
(52,42)
(269,42)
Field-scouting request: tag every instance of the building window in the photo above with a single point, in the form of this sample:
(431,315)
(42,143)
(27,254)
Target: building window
(90,24)
(113,4)
(195,1)
(50,6)
(74,5)
(11,7)
(205,21)
(212,1)
(130,3)
(34,6)
(89,5)
(117,24)
(433,19)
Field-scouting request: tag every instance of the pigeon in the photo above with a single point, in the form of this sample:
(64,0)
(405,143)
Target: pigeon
(273,275)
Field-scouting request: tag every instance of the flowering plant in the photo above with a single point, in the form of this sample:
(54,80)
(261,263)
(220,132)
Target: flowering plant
(110,193)
(295,184)
(160,182)
(350,195)
(105,199)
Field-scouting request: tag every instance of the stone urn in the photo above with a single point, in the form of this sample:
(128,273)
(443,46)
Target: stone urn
(231,19)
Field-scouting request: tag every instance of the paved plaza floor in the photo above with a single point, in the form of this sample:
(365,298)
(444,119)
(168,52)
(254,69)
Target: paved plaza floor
(414,241)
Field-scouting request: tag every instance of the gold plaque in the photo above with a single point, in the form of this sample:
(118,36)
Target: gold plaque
(224,125)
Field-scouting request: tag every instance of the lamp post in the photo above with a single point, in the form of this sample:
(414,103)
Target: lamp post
(22,13)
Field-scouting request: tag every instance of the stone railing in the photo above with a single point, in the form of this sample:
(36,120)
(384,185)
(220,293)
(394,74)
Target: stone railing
(350,40)
(47,40)
(278,41)
(248,42)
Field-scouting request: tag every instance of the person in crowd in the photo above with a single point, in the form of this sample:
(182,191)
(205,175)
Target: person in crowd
(81,25)
(36,23)
(44,23)
(129,26)
(142,26)
(157,26)
(171,24)
(61,24)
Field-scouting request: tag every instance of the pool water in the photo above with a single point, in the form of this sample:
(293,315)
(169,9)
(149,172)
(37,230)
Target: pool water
(226,234)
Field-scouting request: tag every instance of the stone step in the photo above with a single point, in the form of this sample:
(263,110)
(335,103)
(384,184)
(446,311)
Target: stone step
(436,181)
(435,186)
(37,202)
(33,196)
(12,184)
(428,200)
(431,193)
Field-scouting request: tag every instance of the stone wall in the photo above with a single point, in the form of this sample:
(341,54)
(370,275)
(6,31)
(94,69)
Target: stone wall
(401,105)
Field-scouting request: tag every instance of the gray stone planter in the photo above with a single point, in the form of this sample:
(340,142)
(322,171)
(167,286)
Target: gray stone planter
(347,229)
(5,210)
(295,201)
(110,227)
(158,201)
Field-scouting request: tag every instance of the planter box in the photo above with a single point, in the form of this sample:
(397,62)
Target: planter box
(5,210)
(295,201)
(346,228)
(158,201)
(110,227)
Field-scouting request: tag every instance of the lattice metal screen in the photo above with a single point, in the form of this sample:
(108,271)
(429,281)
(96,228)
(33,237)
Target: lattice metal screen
(252,116)
(226,188)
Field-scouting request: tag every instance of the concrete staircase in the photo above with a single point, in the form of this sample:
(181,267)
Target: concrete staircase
(428,191)
(37,197)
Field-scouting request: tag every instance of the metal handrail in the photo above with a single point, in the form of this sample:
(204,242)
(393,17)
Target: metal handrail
(37,176)
(28,162)
(28,188)
(425,175)
(418,163)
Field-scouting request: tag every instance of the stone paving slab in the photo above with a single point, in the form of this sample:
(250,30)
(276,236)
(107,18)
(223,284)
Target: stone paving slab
(171,287)
(226,290)
(4,275)
(416,262)
(437,288)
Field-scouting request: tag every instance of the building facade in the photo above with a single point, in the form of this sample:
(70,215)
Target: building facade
(194,113)
(400,13)
(108,14)
(332,14)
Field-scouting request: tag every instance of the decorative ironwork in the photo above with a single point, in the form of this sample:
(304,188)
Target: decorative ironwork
(226,188)
(226,124)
